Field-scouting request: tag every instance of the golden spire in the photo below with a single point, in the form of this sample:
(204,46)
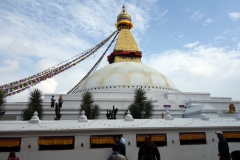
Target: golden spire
(126,48)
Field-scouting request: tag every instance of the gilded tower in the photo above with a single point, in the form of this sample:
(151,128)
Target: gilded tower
(126,49)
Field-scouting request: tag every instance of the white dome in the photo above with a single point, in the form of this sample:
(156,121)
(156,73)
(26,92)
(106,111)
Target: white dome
(126,74)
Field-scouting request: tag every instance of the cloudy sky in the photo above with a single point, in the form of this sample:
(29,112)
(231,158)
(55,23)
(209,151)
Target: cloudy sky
(196,44)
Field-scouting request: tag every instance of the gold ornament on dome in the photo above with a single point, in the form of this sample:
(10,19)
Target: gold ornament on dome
(231,108)
(124,19)
(124,14)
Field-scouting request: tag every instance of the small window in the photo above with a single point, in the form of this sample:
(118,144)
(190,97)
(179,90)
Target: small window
(192,138)
(10,144)
(167,106)
(102,141)
(56,143)
(181,106)
(159,140)
(232,136)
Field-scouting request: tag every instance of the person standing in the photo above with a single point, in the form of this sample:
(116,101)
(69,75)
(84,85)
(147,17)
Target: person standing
(60,101)
(12,156)
(122,149)
(115,155)
(223,149)
(148,150)
(52,101)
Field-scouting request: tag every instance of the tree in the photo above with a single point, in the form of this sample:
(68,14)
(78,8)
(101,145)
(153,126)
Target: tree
(140,108)
(2,101)
(91,110)
(34,104)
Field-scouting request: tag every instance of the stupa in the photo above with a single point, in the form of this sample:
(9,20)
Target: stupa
(114,85)
(181,122)
(125,69)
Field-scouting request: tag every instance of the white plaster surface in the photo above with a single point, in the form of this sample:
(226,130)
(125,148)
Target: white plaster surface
(122,97)
(126,74)
(82,131)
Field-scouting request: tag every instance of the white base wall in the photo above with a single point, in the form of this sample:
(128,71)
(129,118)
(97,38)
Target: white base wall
(170,152)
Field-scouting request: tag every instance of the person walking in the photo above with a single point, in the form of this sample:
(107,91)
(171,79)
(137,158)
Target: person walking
(60,101)
(12,156)
(223,149)
(115,155)
(52,101)
(122,149)
(148,150)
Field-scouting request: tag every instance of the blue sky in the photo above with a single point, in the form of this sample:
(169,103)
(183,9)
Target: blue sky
(196,44)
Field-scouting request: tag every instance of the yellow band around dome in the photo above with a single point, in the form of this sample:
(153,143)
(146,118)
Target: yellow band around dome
(126,22)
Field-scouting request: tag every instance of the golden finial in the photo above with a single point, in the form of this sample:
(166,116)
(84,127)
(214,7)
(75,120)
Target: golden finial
(124,19)
(123,10)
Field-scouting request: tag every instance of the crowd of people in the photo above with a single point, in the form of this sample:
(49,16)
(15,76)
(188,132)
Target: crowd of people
(149,151)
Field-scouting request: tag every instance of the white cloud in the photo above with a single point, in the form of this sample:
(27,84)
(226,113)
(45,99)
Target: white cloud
(235,39)
(190,45)
(39,35)
(207,21)
(52,28)
(226,31)
(219,38)
(44,64)
(200,69)
(187,9)
(161,15)
(234,15)
(48,86)
(181,36)
(197,15)
(9,66)
(238,45)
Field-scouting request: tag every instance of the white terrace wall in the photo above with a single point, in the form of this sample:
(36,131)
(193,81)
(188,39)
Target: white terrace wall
(122,98)
(172,151)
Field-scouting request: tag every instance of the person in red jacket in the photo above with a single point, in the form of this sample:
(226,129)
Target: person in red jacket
(12,156)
